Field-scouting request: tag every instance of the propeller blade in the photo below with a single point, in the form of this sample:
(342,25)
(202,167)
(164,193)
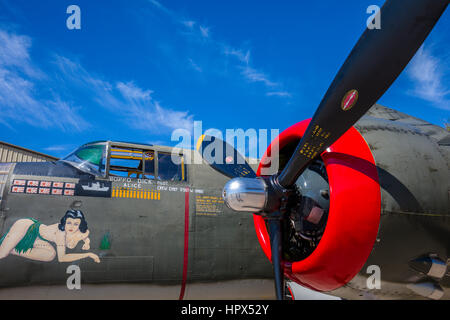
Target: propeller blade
(222,157)
(375,62)
(276,247)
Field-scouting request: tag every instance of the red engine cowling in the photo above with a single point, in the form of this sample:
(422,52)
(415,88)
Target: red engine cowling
(353,217)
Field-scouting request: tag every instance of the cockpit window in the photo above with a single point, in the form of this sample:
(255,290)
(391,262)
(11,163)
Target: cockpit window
(92,154)
(89,158)
(132,163)
(171,167)
(127,162)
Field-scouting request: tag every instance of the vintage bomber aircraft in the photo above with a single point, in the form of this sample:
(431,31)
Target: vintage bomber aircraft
(149,220)
(349,195)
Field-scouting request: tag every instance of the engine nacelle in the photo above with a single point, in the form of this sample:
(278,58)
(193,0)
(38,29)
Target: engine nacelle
(353,217)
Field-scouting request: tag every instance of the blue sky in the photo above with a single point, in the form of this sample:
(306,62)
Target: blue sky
(137,70)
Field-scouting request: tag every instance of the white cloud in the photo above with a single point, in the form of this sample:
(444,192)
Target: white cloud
(200,34)
(238,53)
(160,6)
(30,96)
(20,99)
(14,52)
(204,32)
(195,66)
(170,118)
(254,75)
(428,73)
(128,101)
(278,94)
(147,114)
(133,93)
(189,23)
(58,148)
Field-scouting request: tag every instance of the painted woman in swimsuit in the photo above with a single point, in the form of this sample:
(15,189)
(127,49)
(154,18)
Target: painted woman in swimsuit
(30,239)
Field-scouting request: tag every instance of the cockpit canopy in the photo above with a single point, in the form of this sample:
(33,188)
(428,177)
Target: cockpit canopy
(128,160)
(90,158)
